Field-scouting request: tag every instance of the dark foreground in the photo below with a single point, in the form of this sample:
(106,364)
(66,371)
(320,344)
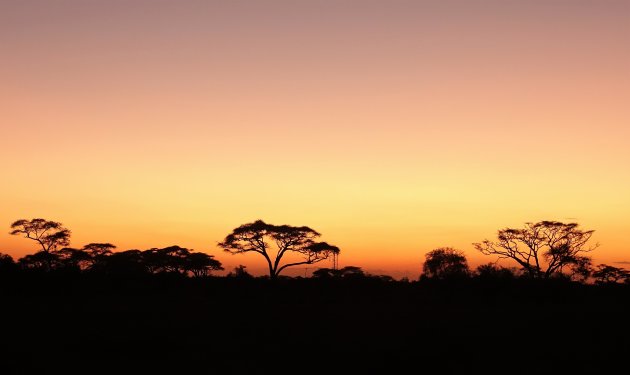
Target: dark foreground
(219,325)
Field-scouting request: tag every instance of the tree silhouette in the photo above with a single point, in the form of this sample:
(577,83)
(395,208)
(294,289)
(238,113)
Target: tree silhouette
(542,248)
(124,263)
(581,268)
(99,249)
(177,260)
(605,274)
(73,259)
(325,273)
(491,271)
(167,260)
(7,264)
(49,234)
(240,272)
(445,263)
(257,237)
(97,252)
(41,260)
(201,264)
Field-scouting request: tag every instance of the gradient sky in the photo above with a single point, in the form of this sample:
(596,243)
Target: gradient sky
(391,127)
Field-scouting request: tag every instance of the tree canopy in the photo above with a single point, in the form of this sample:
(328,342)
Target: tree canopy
(543,248)
(273,242)
(49,234)
(445,263)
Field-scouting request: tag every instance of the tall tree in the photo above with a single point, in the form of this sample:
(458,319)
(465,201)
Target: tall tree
(541,249)
(49,234)
(273,242)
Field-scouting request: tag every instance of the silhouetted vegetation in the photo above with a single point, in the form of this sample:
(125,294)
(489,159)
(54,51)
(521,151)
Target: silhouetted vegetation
(491,271)
(542,249)
(100,258)
(605,274)
(167,305)
(240,272)
(257,237)
(445,263)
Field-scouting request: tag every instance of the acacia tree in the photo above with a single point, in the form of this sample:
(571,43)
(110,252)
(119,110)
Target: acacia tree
(49,234)
(179,260)
(170,259)
(542,249)
(445,263)
(201,264)
(97,250)
(260,237)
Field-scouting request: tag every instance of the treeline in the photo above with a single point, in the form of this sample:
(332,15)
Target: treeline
(448,264)
(99,258)
(544,250)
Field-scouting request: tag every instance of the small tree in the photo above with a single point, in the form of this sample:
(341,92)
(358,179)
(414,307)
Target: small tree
(445,263)
(542,248)
(260,237)
(201,264)
(240,272)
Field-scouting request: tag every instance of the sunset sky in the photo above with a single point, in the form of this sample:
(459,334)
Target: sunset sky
(391,127)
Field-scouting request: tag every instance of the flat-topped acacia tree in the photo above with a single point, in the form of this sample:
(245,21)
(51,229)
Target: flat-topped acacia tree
(274,241)
(50,235)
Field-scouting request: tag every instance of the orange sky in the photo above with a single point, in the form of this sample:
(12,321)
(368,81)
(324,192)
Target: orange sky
(391,127)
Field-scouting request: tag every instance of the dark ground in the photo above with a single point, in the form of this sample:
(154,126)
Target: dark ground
(82,324)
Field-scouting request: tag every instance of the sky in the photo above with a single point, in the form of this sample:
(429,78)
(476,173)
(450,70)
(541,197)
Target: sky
(390,127)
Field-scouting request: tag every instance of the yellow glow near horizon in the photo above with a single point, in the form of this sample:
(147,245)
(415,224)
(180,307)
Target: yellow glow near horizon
(392,129)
